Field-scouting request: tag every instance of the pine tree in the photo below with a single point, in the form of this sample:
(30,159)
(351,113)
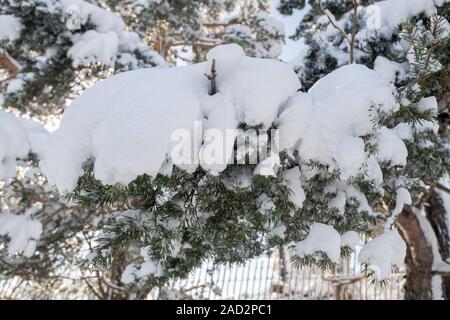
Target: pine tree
(50,51)
(413,54)
(58,43)
(180,217)
(57,49)
(186,30)
(159,227)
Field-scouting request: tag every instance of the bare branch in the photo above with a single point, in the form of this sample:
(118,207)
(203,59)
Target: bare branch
(212,78)
(442,188)
(333,22)
(7,62)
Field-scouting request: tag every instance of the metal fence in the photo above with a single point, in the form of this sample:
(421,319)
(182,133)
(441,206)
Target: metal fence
(265,277)
(274,277)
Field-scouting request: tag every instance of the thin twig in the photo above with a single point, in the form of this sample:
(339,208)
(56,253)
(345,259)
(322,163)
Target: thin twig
(212,78)
(333,22)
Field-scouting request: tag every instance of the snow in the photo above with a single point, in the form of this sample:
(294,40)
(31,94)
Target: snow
(37,135)
(389,14)
(428,103)
(270,24)
(404,131)
(142,271)
(15,85)
(82,12)
(13,144)
(116,123)
(391,148)
(108,42)
(134,272)
(292,180)
(390,70)
(430,235)
(339,202)
(269,166)
(383,252)
(93,46)
(219,129)
(321,238)
(256,99)
(131,122)
(327,123)
(22,231)
(403,198)
(436,287)
(350,239)
(238,31)
(10,27)
(17,138)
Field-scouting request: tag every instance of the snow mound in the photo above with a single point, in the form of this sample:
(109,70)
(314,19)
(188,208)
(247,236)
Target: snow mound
(321,238)
(257,87)
(383,252)
(132,122)
(92,46)
(328,123)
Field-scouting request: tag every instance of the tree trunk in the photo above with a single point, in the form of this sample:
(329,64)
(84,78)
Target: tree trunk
(437,216)
(419,258)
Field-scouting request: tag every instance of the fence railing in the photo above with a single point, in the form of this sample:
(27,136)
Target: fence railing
(274,277)
(265,277)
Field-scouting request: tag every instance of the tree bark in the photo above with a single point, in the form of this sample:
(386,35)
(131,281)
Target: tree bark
(437,216)
(419,258)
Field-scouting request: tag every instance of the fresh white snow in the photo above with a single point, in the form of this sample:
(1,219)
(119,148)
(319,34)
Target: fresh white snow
(383,252)
(10,27)
(321,238)
(22,231)
(128,122)
(18,137)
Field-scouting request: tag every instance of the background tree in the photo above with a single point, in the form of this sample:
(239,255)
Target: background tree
(187,30)
(50,51)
